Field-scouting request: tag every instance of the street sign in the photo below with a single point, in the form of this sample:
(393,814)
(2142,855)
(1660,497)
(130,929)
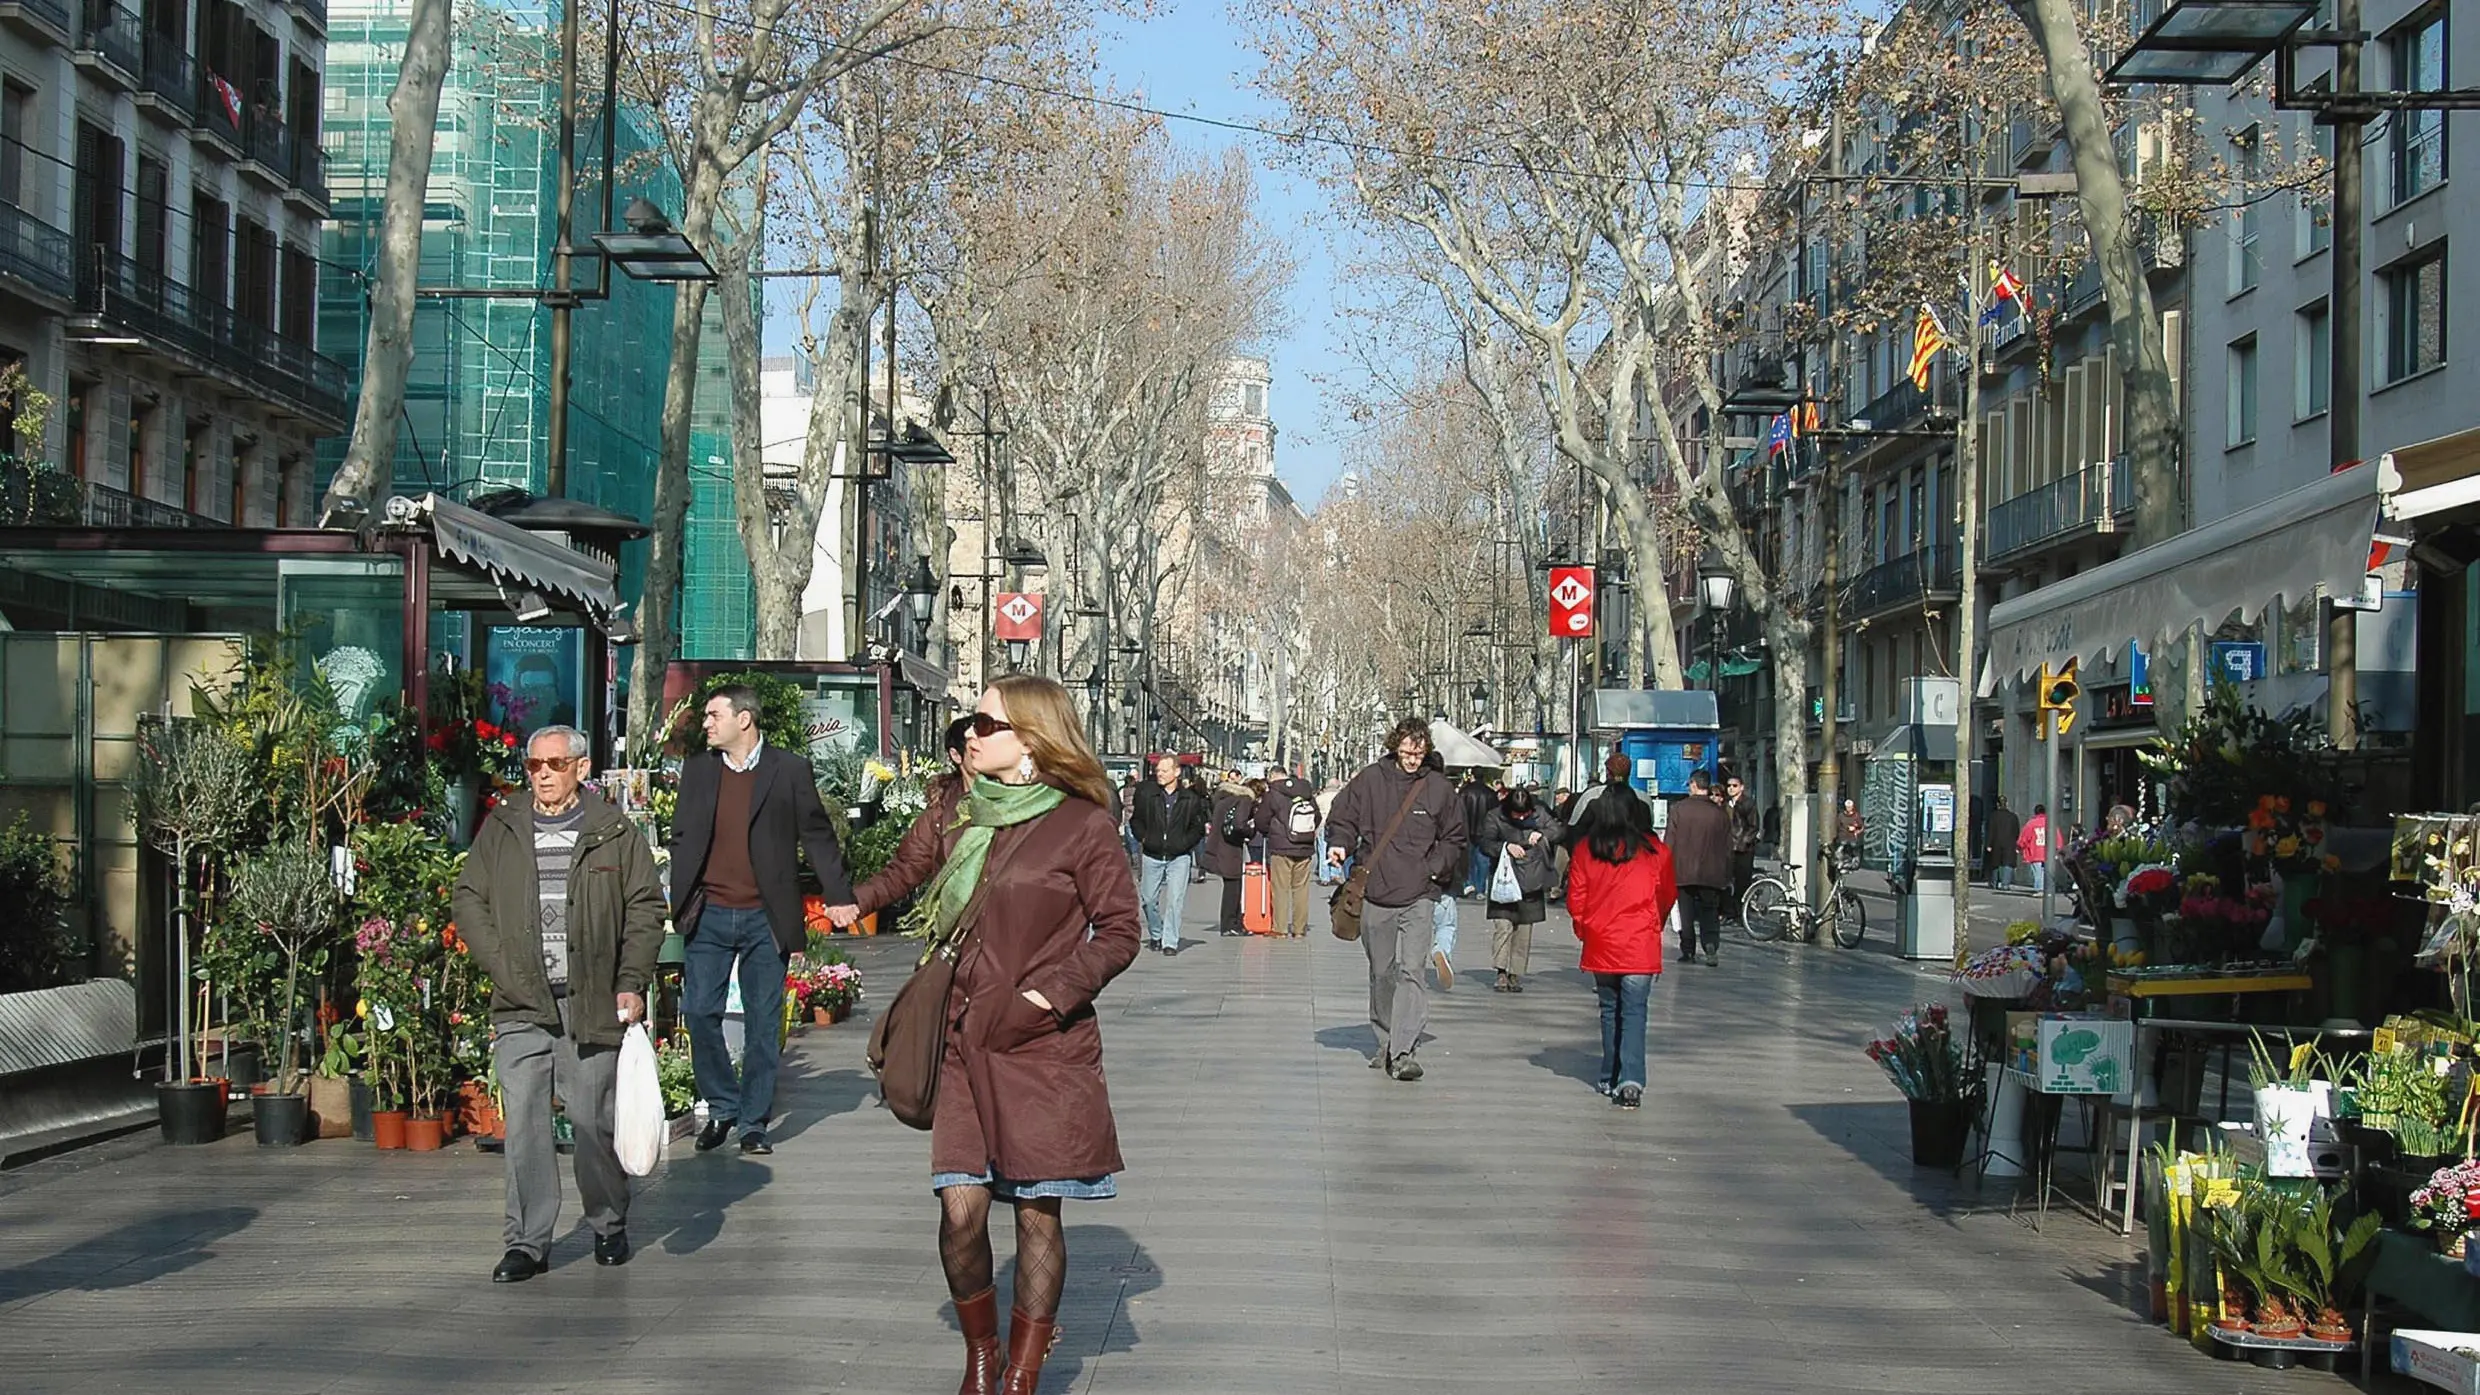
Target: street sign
(2238,660)
(1016,615)
(1571,602)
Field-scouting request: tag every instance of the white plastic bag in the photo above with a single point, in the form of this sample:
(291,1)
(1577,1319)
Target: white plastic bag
(637,1105)
(1504,888)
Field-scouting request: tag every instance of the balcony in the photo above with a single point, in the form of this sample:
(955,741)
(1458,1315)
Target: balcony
(34,255)
(2024,142)
(267,147)
(2092,499)
(2082,292)
(1929,574)
(219,112)
(118,294)
(110,44)
(170,85)
(309,183)
(45,19)
(310,12)
(35,495)
(1897,408)
(106,507)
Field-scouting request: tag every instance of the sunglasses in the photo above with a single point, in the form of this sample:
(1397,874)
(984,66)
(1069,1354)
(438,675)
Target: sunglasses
(986,725)
(534,764)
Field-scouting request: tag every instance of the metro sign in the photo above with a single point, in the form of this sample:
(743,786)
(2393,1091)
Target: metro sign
(1017,615)
(1571,602)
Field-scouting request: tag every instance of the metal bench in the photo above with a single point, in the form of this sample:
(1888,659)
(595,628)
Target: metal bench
(68,1068)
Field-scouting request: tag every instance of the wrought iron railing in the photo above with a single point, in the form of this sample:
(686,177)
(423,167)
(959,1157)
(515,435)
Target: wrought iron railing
(114,33)
(32,250)
(171,74)
(1916,576)
(219,107)
(157,307)
(1897,407)
(54,12)
(2085,499)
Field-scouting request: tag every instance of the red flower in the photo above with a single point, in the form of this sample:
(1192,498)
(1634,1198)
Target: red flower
(2151,883)
(485,730)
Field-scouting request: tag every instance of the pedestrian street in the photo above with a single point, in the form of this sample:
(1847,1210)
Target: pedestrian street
(1289,1222)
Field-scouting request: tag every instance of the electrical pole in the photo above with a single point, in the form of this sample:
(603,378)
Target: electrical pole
(1828,823)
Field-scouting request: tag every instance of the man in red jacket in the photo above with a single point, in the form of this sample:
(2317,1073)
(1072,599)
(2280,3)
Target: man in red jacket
(1700,840)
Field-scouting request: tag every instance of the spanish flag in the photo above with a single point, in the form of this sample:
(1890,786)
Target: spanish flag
(1928,336)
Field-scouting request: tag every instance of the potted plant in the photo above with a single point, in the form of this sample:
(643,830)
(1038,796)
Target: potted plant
(339,1101)
(36,947)
(2443,1207)
(2230,1231)
(288,894)
(2334,1262)
(192,790)
(829,991)
(1926,1063)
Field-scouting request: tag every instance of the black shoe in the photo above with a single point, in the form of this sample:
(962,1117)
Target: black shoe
(1630,1096)
(1405,1068)
(612,1249)
(516,1266)
(713,1135)
(754,1144)
(1514,984)
(1713,959)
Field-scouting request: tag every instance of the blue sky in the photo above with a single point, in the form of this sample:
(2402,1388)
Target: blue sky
(1190,57)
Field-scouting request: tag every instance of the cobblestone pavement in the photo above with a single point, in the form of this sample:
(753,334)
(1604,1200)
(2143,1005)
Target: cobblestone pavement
(1289,1222)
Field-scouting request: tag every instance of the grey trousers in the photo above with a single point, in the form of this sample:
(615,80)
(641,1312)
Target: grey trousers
(534,1064)
(1398,939)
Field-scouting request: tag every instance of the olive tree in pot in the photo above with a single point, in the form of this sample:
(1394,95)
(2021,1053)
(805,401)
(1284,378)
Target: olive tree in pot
(191,793)
(288,895)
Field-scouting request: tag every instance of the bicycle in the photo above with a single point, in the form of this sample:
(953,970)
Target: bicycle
(1772,911)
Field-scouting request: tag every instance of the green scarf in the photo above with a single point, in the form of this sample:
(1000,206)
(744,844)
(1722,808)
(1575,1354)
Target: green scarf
(988,807)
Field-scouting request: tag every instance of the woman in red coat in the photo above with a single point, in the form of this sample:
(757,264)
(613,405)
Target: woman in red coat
(1022,1114)
(1620,892)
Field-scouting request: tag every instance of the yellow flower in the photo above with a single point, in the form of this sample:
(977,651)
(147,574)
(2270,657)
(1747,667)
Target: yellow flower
(361,1007)
(2332,863)
(2288,847)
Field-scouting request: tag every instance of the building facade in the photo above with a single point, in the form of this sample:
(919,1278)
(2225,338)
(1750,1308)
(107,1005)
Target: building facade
(160,197)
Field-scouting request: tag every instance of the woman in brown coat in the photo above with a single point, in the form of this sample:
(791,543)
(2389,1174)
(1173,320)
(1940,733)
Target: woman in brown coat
(1022,1112)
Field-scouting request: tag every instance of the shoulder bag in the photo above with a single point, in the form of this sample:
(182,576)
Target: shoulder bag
(910,1037)
(1345,910)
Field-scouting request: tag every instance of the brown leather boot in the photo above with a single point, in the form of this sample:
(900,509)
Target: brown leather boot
(1030,1339)
(979,1317)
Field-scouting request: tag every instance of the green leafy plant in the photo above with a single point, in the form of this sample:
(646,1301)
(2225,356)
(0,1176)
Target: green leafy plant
(783,713)
(288,895)
(193,791)
(2333,1259)
(36,947)
(2402,1092)
(677,1074)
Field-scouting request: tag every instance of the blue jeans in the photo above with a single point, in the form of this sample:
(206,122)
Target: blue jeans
(1623,1028)
(1162,888)
(1442,928)
(723,935)
(1477,869)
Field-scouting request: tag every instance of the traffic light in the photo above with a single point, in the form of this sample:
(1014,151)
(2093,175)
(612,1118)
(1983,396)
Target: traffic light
(2059,690)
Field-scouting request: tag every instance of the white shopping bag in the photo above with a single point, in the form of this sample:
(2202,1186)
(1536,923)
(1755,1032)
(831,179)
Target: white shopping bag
(637,1105)
(1504,888)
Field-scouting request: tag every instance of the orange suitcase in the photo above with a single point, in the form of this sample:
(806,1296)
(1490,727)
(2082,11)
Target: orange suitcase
(1256,900)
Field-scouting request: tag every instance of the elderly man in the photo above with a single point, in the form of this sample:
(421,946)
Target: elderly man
(560,903)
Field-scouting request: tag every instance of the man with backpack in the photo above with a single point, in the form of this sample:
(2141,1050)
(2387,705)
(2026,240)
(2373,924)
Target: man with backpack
(1288,819)
(1229,827)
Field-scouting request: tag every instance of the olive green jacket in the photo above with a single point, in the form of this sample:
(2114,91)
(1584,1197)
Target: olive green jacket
(615,918)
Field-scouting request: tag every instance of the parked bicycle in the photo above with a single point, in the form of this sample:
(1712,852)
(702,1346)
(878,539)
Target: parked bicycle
(1772,910)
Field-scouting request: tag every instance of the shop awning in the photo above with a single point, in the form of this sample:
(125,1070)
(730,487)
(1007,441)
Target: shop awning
(510,555)
(2282,549)
(2434,476)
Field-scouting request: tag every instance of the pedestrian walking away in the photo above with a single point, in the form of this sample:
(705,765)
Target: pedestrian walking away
(1479,799)
(1615,770)
(1700,845)
(1021,1114)
(2033,846)
(918,856)
(1169,819)
(1747,826)
(1230,823)
(1289,818)
(747,813)
(1519,830)
(1999,850)
(1407,825)
(561,906)
(1442,916)
(1621,890)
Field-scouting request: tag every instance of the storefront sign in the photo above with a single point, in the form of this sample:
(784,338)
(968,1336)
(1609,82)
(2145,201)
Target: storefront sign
(2140,677)
(1571,602)
(2238,660)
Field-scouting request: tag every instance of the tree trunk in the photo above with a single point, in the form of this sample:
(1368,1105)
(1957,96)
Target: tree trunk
(1967,628)
(2152,421)
(387,356)
(778,606)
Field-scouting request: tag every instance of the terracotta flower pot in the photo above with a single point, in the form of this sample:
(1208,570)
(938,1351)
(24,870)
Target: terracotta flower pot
(387,1127)
(425,1135)
(2323,1333)
(823,1017)
(476,1111)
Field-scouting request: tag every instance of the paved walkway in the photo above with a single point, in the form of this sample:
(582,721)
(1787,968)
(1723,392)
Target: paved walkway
(1289,1222)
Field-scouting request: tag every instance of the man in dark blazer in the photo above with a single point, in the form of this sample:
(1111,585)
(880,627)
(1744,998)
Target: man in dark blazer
(746,812)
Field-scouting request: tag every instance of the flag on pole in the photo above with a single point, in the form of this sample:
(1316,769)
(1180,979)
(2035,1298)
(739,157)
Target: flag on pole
(1778,434)
(1928,336)
(2004,291)
(1808,418)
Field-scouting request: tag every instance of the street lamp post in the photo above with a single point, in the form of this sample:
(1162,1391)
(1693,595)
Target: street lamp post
(1718,586)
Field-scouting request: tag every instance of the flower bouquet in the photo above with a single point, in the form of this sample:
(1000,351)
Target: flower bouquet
(2290,837)
(1925,1061)
(2444,1206)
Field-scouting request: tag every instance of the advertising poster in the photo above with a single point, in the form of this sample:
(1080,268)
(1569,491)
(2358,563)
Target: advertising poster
(533,676)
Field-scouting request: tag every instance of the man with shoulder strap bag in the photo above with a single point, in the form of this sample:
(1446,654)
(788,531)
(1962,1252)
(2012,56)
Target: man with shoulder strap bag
(1288,816)
(1405,826)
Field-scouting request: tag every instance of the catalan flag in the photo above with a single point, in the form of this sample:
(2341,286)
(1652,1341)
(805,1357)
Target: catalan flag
(1928,336)
(1807,419)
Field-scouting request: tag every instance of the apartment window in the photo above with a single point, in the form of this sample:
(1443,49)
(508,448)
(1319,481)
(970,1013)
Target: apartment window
(73,422)
(1253,400)
(2247,262)
(16,128)
(2412,314)
(2242,404)
(2313,337)
(154,216)
(2415,142)
(98,190)
(193,463)
(254,279)
(210,256)
(300,304)
(13,366)
(284,491)
(141,420)
(2316,214)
